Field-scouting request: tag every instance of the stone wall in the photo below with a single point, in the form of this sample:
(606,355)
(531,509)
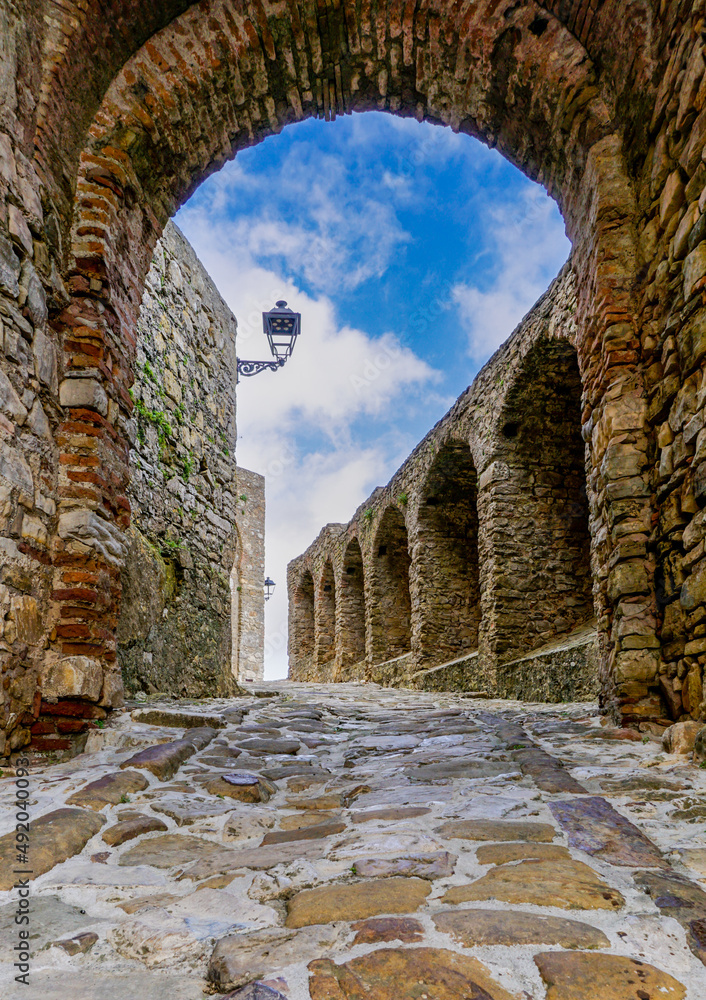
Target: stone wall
(247,580)
(477,552)
(194,515)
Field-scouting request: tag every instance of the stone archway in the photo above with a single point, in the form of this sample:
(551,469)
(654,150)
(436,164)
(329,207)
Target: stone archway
(537,518)
(600,104)
(494,75)
(351,629)
(390,608)
(445,572)
(302,629)
(326,617)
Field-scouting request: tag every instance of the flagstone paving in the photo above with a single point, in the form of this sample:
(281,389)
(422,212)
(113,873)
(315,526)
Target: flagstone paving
(334,842)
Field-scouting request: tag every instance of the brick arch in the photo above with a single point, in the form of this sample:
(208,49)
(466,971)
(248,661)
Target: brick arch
(540,517)
(223,76)
(302,629)
(325,648)
(351,613)
(484,72)
(390,604)
(445,570)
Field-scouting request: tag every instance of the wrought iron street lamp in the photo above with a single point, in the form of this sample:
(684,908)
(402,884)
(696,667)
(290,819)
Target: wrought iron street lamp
(281,326)
(269,588)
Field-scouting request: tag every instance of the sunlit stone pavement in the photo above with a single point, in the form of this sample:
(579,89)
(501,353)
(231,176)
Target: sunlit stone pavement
(334,842)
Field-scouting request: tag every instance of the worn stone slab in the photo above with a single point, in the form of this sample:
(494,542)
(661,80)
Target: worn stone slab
(258,858)
(547,772)
(471,769)
(392,815)
(128,829)
(594,826)
(243,786)
(259,744)
(186,813)
(678,897)
(55,836)
(174,849)
(328,800)
(297,821)
(329,903)
(501,854)
(377,930)
(240,958)
(109,790)
(384,842)
(179,720)
(438,864)
(577,976)
(503,830)
(297,769)
(513,927)
(565,884)
(164,759)
(399,973)
(222,757)
(317,832)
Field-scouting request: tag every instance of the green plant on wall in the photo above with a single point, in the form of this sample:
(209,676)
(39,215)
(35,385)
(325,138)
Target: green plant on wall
(187,465)
(368,515)
(403,499)
(157,418)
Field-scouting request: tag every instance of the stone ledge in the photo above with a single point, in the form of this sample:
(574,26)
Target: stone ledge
(565,670)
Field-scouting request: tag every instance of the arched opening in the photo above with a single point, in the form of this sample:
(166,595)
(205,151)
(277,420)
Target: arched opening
(326,618)
(390,605)
(146,143)
(445,568)
(351,611)
(301,626)
(540,523)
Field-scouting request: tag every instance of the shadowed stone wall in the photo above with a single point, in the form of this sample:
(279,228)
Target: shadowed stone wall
(111,115)
(176,637)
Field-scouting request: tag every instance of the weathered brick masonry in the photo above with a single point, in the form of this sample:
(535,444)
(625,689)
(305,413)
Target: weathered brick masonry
(113,112)
(478,549)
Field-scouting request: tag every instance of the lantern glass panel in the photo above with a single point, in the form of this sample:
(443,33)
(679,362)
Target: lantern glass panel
(281,326)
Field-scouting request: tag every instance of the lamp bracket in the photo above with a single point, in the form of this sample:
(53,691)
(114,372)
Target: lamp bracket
(255,367)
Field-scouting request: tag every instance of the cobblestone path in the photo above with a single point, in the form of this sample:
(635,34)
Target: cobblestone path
(347,842)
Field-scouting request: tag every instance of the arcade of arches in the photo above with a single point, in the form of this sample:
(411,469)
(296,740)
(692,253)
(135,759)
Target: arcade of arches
(113,112)
(477,554)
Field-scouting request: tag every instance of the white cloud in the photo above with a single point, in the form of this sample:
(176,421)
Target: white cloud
(527,246)
(343,234)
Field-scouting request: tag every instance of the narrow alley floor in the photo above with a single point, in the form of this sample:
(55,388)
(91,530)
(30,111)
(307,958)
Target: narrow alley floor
(338,842)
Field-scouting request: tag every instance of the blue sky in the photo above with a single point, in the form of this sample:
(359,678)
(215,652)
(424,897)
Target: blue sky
(412,253)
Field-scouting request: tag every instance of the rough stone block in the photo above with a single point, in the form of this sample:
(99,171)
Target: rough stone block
(73,677)
(694,268)
(84,392)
